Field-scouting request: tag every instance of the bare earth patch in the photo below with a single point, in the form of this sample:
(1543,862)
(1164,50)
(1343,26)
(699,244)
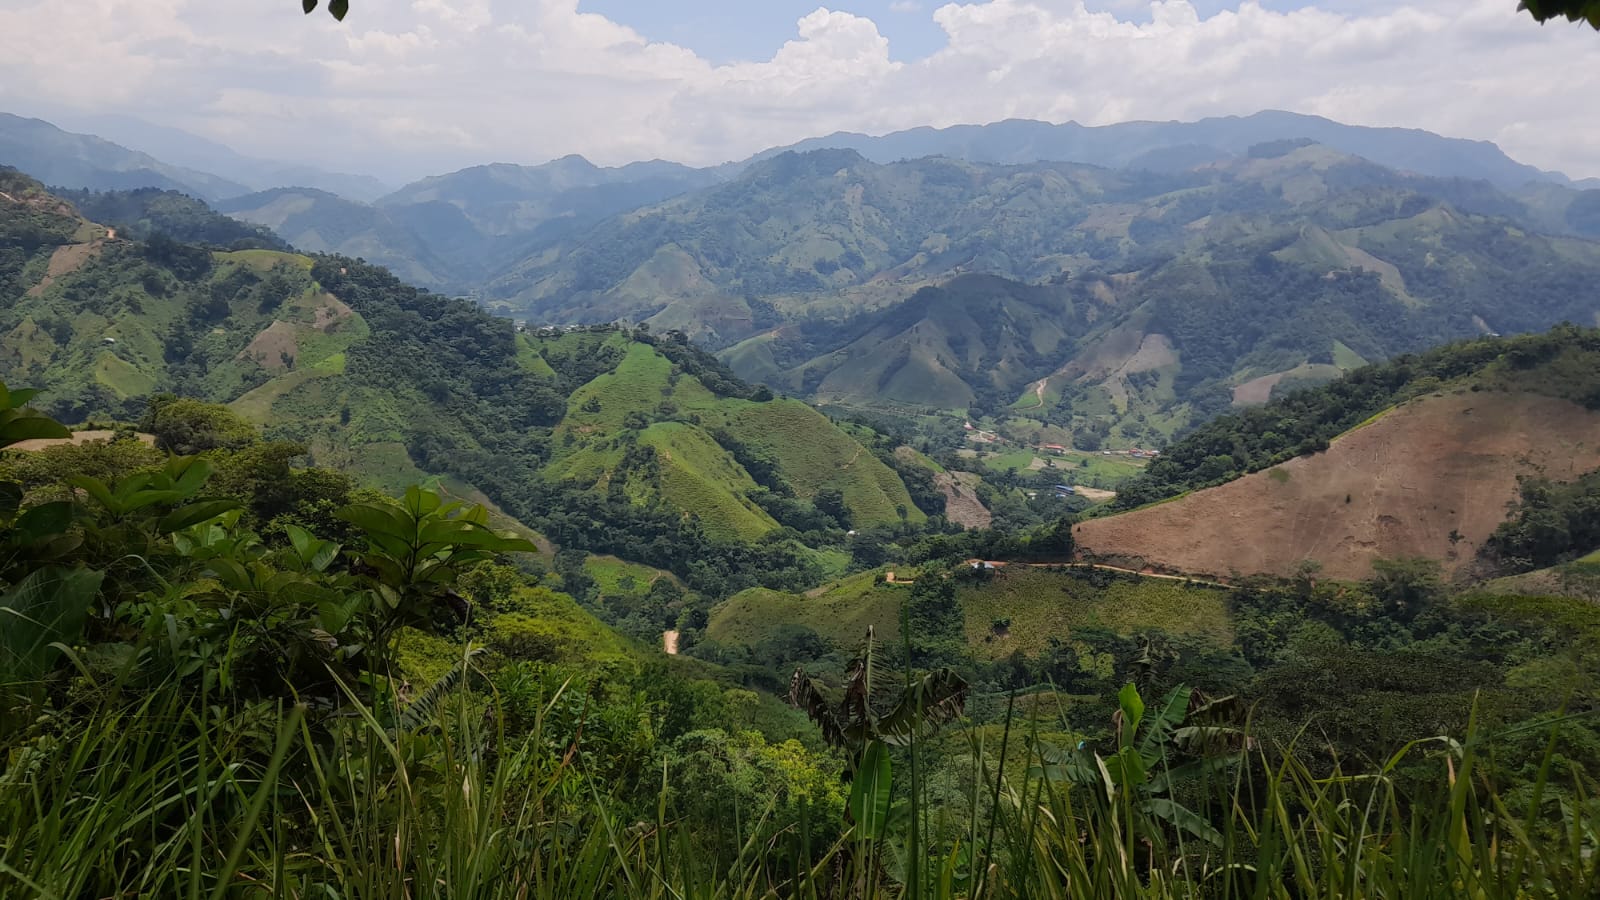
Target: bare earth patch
(330,312)
(961,504)
(1256,391)
(1400,486)
(78,437)
(274,348)
(64,261)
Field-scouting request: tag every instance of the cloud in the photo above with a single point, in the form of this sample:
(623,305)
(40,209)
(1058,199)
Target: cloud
(905,6)
(442,83)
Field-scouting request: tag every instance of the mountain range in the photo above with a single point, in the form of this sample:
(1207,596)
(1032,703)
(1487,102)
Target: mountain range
(1140,279)
(462,230)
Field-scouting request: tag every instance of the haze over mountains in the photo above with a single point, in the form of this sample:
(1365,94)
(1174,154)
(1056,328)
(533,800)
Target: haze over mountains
(1119,282)
(502,212)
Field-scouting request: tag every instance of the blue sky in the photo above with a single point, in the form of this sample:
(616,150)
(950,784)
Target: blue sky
(414,87)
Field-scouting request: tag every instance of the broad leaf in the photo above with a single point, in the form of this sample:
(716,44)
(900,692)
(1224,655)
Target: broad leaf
(869,792)
(931,701)
(97,489)
(1132,707)
(48,607)
(43,521)
(27,426)
(188,474)
(1182,818)
(1158,726)
(193,514)
(378,519)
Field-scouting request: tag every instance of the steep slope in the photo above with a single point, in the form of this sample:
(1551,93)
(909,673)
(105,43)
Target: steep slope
(946,347)
(143,213)
(604,439)
(453,231)
(1432,476)
(1216,288)
(1431,479)
(71,160)
(814,232)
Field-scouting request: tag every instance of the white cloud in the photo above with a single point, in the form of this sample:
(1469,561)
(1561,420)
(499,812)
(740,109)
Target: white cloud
(905,6)
(438,83)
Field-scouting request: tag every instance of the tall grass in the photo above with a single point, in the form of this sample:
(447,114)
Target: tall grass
(167,795)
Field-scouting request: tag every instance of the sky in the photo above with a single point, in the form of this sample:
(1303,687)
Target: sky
(404,88)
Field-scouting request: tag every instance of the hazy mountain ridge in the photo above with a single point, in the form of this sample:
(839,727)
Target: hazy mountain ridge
(507,217)
(62,158)
(1130,144)
(1255,268)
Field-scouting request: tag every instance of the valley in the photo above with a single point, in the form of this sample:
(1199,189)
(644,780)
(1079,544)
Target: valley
(568,530)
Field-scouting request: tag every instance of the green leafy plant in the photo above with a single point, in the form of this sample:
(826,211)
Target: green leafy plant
(415,551)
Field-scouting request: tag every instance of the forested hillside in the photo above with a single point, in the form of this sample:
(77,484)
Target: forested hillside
(606,439)
(1144,304)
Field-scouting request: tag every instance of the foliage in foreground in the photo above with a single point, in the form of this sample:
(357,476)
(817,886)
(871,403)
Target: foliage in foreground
(200,699)
(162,796)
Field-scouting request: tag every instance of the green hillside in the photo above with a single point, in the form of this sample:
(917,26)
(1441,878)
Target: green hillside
(1122,306)
(604,439)
(1038,606)
(144,213)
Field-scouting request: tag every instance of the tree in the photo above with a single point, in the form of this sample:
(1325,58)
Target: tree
(336,8)
(1405,586)
(831,501)
(1571,10)
(184,426)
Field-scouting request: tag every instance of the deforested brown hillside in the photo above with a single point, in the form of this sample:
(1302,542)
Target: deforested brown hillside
(1431,478)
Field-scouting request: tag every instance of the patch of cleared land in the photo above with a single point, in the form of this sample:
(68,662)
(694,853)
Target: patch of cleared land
(1398,486)
(961,504)
(64,261)
(78,437)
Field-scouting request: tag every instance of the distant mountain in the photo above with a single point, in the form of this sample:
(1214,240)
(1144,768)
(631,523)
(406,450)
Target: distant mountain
(451,232)
(320,222)
(1120,306)
(65,159)
(511,208)
(828,234)
(183,148)
(1159,145)
(825,231)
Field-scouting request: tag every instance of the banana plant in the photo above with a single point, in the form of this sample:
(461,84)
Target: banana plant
(853,722)
(1152,757)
